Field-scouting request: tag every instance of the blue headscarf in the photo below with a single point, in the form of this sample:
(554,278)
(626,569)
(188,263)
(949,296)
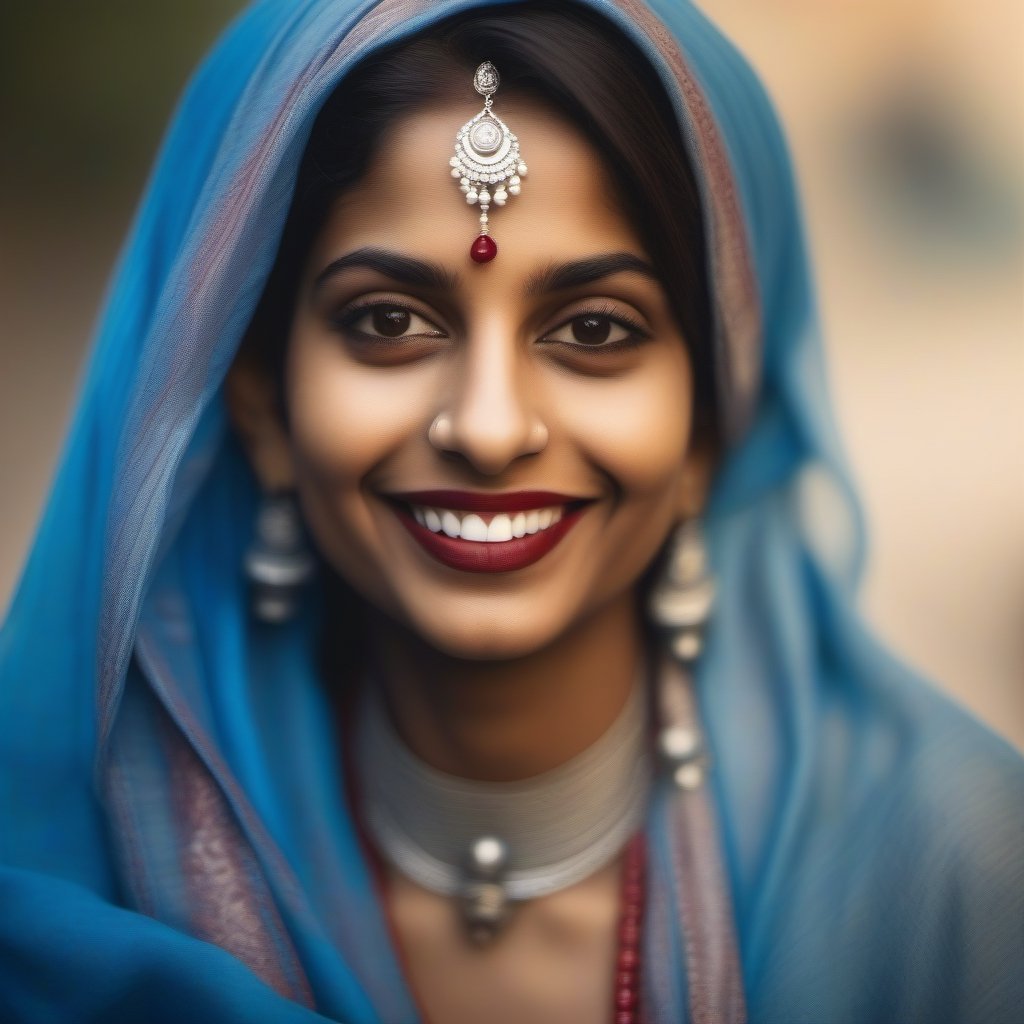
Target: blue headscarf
(174,839)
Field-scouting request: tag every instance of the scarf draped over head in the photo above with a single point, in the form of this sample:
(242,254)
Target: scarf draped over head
(174,838)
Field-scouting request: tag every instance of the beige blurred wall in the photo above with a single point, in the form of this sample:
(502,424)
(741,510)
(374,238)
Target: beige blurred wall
(923,306)
(922,303)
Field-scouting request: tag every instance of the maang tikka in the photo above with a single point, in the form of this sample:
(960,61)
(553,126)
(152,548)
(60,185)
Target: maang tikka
(487,162)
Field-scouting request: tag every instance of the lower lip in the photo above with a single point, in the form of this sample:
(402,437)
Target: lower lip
(480,556)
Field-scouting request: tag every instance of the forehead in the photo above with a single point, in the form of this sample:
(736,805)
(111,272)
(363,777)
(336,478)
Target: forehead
(408,200)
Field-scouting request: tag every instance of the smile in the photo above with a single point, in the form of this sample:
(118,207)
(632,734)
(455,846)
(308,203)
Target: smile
(503,526)
(476,532)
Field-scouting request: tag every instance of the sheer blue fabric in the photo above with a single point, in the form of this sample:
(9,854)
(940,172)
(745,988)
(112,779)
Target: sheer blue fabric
(174,837)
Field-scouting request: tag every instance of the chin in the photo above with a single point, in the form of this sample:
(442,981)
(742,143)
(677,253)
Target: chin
(485,637)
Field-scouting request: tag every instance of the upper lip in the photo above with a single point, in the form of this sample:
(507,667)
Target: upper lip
(478,501)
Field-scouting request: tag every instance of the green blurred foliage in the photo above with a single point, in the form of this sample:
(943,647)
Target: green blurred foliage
(86,88)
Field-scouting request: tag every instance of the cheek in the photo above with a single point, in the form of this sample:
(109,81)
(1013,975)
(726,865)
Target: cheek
(636,429)
(636,433)
(346,424)
(345,418)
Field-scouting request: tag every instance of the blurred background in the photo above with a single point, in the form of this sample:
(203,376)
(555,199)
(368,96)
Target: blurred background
(906,119)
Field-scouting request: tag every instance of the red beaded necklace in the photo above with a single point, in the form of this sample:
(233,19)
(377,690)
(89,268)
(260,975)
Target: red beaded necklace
(626,1007)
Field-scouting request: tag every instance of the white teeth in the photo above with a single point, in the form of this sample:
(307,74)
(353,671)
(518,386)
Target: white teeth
(499,528)
(450,524)
(469,526)
(474,528)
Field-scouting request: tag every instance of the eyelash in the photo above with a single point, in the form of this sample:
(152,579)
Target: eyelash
(638,333)
(346,320)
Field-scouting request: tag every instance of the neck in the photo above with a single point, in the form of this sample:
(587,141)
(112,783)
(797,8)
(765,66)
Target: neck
(499,721)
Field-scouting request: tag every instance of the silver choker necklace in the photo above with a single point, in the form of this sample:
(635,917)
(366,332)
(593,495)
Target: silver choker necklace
(491,843)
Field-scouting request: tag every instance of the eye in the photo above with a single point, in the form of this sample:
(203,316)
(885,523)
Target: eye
(599,330)
(387,320)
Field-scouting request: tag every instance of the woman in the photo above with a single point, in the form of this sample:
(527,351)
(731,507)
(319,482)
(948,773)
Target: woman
(210,815)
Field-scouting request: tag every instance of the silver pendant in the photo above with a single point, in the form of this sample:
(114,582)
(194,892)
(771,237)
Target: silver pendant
(483,899)
(487,161)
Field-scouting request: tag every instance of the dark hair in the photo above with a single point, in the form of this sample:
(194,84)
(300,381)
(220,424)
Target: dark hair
(577,64)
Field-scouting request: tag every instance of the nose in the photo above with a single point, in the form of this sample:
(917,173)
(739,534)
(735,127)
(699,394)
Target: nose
(490,421)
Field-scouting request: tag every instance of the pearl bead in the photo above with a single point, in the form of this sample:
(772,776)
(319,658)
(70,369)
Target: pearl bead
(488,855)
(521,168)
(471,197)
(685,608)
(687,646)
(514,190)
(689,776)
(679,743)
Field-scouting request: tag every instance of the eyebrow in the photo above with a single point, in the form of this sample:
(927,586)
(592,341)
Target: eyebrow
(401,268)
(579,272)
(424,274)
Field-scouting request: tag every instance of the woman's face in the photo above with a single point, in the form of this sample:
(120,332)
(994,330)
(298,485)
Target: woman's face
(429,395)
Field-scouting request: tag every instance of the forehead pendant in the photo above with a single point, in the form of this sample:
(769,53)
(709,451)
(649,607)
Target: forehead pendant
(487,162)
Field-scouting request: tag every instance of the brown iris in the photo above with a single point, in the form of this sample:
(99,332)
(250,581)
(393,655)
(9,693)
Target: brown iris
(591,330)
(390,321)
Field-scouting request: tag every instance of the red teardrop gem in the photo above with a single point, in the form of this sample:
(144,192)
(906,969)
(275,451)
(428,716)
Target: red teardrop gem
(484,249)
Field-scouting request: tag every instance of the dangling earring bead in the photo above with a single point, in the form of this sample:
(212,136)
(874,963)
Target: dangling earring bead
(278,564)
(680,743)
(682,601)
(681,604)
(487,162)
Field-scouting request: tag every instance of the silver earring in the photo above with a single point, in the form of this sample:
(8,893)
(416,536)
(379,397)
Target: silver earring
(681,604)
(278,564)
(682,601)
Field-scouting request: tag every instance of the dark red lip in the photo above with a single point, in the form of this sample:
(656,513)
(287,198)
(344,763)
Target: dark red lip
(477,501)
(477,556)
